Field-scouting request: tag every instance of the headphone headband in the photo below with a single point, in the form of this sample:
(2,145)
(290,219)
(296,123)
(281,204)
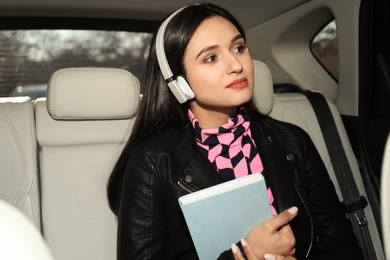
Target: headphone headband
(179,86)
(161,57)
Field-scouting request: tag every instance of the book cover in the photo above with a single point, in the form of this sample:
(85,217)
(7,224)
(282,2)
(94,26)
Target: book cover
(223,214)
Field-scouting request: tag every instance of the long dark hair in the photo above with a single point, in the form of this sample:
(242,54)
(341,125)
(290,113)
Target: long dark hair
(158,108)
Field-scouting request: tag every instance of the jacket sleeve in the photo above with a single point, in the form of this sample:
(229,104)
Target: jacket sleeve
(335,238)
(141,219)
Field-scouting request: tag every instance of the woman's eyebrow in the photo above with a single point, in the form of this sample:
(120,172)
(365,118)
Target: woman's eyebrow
(238,37)
(206,49)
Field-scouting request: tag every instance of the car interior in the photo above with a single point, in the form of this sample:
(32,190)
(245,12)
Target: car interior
(70,74)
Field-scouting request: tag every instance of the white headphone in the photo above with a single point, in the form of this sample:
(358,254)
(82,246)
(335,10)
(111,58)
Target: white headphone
(179,86)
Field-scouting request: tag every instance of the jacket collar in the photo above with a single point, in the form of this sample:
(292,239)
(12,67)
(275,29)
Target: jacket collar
(199,173)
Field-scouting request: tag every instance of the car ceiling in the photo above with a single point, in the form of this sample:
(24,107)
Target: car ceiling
(248,12)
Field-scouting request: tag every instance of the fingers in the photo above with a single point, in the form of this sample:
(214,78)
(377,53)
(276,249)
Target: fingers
(250,255)
(287,233)
(236,252)
(292,252)
(274,235)
(283,218)
(269,257)
(248,250)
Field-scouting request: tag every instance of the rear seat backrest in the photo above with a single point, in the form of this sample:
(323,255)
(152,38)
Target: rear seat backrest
(91,111)
(295,108)
(18,157)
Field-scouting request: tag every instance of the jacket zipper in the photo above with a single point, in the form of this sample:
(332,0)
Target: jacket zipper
(185,187)
(299,191)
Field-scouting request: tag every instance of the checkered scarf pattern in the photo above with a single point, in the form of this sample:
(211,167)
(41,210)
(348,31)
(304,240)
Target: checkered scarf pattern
(230,148)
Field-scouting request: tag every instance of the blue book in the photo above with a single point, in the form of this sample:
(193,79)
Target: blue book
(221,215)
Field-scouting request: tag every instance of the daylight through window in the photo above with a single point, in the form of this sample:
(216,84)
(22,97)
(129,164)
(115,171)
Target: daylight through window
(29,57)
(325,48)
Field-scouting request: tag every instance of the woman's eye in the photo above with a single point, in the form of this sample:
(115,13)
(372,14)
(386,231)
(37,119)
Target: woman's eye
(211,58)
(239,49)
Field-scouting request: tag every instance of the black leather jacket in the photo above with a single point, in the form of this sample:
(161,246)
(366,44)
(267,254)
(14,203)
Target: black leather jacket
(168,165)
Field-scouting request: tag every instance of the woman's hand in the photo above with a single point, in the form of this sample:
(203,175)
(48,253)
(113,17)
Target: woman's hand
(274,236)
(250,255)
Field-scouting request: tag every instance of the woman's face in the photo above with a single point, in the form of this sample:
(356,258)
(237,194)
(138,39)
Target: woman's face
(218,67)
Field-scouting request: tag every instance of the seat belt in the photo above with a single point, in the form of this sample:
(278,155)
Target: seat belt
(353,202)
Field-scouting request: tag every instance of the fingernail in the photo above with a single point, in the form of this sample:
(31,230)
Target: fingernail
(234,248)
(243,242)
(269,257)
(293,210)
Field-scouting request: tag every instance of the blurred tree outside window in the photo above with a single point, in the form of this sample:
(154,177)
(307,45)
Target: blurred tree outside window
(325,48)
(29,57)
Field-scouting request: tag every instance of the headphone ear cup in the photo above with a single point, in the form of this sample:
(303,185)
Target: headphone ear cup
(185,87)
(181,89)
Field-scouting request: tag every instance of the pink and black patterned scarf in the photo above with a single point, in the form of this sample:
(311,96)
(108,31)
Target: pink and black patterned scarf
(230,148)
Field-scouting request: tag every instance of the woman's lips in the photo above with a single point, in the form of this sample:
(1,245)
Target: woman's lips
(238,83)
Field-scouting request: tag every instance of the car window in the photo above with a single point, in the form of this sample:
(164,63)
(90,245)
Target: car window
(29,57)
(324,47)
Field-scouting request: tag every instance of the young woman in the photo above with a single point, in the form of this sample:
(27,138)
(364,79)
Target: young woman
(216,136)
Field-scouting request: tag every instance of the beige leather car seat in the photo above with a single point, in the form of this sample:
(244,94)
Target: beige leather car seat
(81,127)
(295,108)
(18,157)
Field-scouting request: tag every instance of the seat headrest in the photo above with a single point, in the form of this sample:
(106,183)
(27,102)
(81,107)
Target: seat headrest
(263,93)
(92,93)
